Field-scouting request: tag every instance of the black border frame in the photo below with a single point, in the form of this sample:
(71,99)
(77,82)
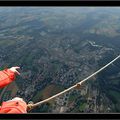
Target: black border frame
(60,3)
(68,116)
(93,3)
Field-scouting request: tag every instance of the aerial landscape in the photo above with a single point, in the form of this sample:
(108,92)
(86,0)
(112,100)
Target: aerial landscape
(56,47)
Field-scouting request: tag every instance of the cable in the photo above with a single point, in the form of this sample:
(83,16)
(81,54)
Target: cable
(74,86)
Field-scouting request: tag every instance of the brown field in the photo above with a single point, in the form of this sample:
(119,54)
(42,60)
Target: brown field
(13,88)
(48,91)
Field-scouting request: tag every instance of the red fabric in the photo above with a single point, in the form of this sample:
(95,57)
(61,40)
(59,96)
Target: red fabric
(6,77)
(14,107)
